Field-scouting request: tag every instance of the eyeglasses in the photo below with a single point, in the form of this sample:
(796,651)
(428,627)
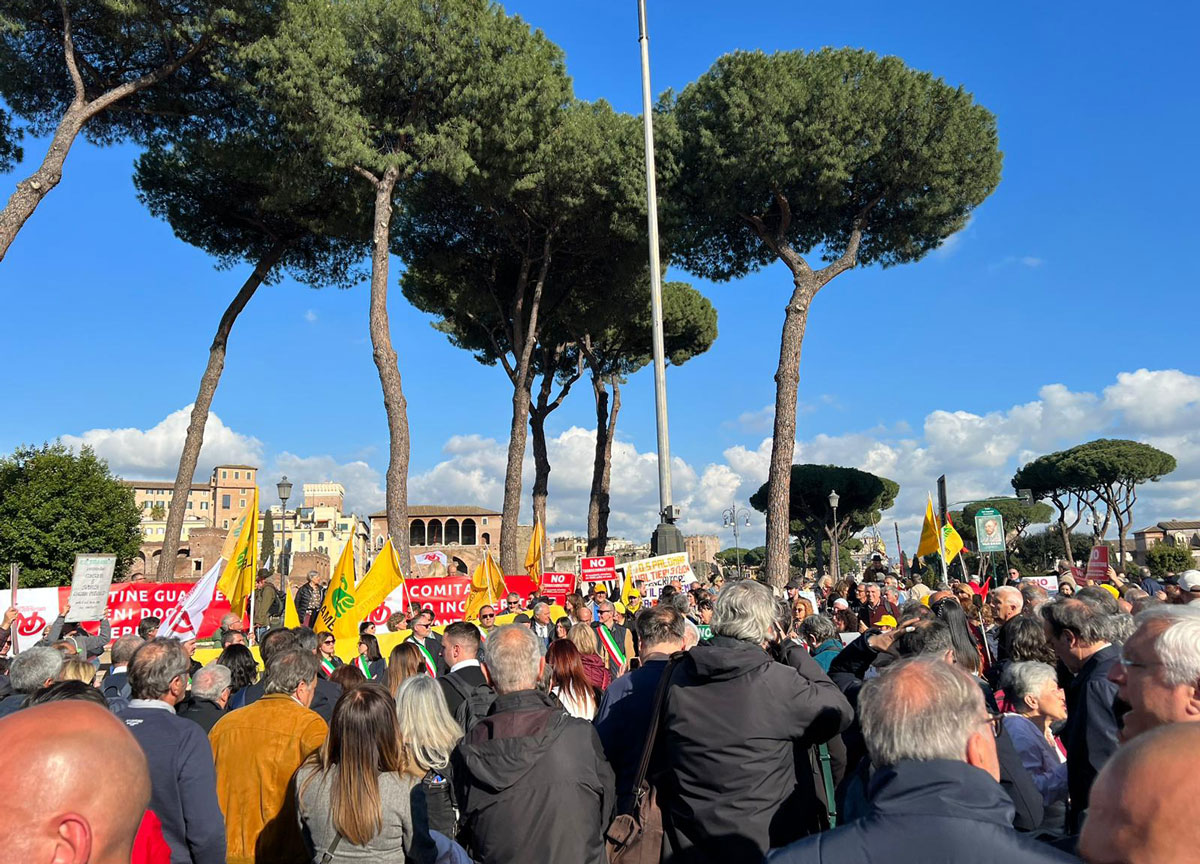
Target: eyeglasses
(327,642)
(996,721)
(486,617)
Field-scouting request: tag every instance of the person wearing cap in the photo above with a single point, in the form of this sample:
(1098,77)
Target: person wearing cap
(599,595)
(1189,587)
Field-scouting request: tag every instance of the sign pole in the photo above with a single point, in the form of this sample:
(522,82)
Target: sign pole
(14,578)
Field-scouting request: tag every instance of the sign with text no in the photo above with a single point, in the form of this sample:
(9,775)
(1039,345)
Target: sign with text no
(557,586)
(602,568)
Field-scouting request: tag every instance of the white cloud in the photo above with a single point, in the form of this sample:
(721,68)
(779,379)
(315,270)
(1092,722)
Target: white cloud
(954,242)
(310,316)
(1031,261)
(363,484)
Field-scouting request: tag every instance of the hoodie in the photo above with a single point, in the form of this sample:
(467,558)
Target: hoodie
(529,764)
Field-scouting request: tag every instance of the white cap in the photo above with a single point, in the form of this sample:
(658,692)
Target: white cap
(1189,580)
(841,603)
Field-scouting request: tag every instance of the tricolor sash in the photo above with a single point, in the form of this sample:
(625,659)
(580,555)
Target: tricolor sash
(364,665)
(328,666)
(611,646)
(430,666)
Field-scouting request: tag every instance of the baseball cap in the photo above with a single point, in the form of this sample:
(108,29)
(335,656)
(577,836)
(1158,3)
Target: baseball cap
(887,621)
(1189,580)
(841,603)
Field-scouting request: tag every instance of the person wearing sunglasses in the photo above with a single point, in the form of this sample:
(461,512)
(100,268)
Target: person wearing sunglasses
(487,620)
(327,654)
(429,642)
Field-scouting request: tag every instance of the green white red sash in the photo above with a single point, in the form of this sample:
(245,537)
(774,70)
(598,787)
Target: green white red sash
(364,665)
(328,666)
(611,646)
(430,666)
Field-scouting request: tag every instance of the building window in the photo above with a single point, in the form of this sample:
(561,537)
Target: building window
(235,475)
(242,503)
(487,539)
(416,533)
(226,523)
(433,536)
(468,532)
(225,502)
(189,505)
(320,536)
(224,475)
(198,565)
(451,532)
(203,505)
(484,520)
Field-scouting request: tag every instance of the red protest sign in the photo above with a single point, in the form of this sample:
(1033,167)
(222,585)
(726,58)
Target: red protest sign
(557,586)
(598,569)
(1097,568)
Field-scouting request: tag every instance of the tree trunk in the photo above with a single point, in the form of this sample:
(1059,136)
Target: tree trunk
(602,472)
(510,554)
(386,362)
(541,463)
(30,192)
(783,444)
(597,537)
(194,439)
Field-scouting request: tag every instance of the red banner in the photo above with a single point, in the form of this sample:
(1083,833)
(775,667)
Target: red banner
(447,597)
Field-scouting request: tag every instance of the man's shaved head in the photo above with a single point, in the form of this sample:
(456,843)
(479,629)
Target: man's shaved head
(1137,806)
(54,754)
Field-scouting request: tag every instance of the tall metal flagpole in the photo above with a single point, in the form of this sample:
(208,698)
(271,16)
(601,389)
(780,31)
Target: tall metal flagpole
(666,538)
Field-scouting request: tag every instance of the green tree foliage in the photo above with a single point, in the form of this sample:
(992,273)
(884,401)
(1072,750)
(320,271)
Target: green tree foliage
(158,511)
(1017,515)
(55,504)
(1038,551)
(111,71)
(862,498)
(841,153)
(10,142)
(1163,559)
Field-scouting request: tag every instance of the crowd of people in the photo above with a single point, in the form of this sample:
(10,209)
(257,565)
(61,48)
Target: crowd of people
(871,720)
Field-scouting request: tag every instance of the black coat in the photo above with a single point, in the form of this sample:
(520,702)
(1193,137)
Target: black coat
(532,784)
(433,643)
(726,769)
(201,711)
(937,812)
(467,678)
(1090,736)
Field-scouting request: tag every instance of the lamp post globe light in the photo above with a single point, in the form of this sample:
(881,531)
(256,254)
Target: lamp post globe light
(284,488)
(834,548)
(731,516)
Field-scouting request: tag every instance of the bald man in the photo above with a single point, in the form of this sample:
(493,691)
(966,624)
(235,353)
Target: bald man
(53,754)
(1138,807)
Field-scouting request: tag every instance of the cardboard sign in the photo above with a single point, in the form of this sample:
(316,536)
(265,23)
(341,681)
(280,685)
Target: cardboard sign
(598,569)
(89,586)
(1097,567)
(557,586)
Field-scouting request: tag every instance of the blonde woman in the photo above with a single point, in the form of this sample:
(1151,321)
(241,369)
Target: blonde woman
(594,667)
(77,670)
(430,734)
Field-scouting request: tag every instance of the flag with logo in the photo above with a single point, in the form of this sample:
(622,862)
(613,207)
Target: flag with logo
(533,558)
(382,579)
(930,532)
(339,599)
(241,557)
(952,543)
(183,622)
(487,587)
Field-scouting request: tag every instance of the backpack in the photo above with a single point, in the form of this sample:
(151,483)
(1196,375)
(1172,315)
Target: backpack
(476,702)
(277,606)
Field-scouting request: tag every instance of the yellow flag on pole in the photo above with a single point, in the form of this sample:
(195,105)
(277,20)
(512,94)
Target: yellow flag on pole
(487,587)
(929,532)
(382,579)
(291,618)
(533,558)
(340,596)
(952,544)
(630,596)
(241,553)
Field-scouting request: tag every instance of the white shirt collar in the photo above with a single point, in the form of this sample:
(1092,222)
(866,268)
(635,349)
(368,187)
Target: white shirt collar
(463,664)
(151,703)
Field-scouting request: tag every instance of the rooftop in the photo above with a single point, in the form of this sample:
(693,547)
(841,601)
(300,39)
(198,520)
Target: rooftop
(1179,525)
(169,484)
(428,510)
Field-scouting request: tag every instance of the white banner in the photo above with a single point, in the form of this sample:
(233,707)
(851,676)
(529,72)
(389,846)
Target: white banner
(36,609)
(184,621)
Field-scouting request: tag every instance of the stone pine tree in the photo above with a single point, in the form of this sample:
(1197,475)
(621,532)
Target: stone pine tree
(109,70)
(838,154)
(614,338)
(10,142)
(244,193)
(391,90)
(497,259)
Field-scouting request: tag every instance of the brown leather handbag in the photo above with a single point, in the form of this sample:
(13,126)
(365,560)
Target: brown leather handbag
(636,837)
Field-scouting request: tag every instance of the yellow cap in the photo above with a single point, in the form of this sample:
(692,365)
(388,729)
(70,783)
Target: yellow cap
(887,621)
(1111,589)
(619,606)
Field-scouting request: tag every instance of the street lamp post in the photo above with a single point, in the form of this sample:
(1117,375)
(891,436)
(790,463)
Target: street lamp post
(833,547)
(731,515)
(285,492)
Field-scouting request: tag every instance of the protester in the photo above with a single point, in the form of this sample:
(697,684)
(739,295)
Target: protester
(243,669)
(327,655)
(231,622)
(429,642)
(623,719)
(309,598)
(1033,597)
(1078,632)
(268,605)
(429,734)
(568,682)
(210,694)
(370,661)
(531,765)
(732,720)
(1037,702)
(1067,586)
(62,813)
(32,669)
(1140,809)
(232,637)
(61,690)
(819,634)
(354,794)
(183,792)
(543,628)
(614,642)
(562,628)
(874,606)
(468,694)
(1158,671)
(87,646)
(406,660)
(256,750)
(934,794)
(75,669)
(594,667)
(1006,602)
(147,628)
(347,676)
(116,683)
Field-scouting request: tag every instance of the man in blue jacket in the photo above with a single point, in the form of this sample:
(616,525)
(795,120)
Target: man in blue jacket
(935,793)
(183,782)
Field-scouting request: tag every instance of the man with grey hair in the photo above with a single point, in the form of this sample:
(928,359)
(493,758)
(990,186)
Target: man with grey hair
(532,783)
(932,741)
(257,749)
(116,680)
(210,693)
(542,626)
(1006,602)
(182,791)
(1158,672)
(615,641)
(31,670)
(733,721)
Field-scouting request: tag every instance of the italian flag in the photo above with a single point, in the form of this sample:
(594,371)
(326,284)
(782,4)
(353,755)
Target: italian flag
(430,666)
(611,646)
(364,666)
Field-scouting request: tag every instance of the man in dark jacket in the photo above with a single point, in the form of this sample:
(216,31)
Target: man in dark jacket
(116,680)
(210,692)
(876,606)
(531,781)
(31,670)
(89,647)
(183,783)
(935,794)
(614,641)
(728,784)
(461,641)
(1078,633)
(429,642)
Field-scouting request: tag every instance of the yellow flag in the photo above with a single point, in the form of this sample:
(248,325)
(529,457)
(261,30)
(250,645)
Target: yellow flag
(630,596)
(382,579)
(929,532)
(952,543)
(241,555)
(533,558)
(340,596)
(291,618)
(487,587)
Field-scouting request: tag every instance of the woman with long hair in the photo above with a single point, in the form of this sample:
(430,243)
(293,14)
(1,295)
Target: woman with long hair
(369,661)
(404,662)
(243,669)
(568,681)
(327,655)
(430,734)
(594,667)
(562,629)
(354,793)
(967,652)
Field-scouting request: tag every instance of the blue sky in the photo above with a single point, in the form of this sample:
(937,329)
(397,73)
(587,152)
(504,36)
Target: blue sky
(1025,333)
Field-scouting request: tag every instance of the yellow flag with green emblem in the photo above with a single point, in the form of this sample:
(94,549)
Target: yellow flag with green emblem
(241,554)
(382,579)
(929,533)
(339,599)
(487,587)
